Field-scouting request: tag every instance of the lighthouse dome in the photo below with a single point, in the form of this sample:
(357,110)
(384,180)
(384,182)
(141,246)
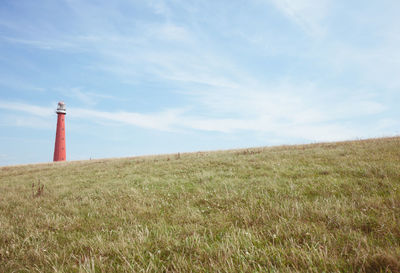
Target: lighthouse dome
(61,109)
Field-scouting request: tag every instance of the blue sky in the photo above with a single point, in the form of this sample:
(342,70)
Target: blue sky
(151,77)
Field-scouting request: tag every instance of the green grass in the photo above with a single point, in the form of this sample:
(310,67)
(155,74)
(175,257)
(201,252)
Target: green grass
(332,207)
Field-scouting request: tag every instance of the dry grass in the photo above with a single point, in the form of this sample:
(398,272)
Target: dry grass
(331,207)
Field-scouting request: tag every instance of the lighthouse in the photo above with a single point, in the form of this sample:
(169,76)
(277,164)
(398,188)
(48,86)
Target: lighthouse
(59,148)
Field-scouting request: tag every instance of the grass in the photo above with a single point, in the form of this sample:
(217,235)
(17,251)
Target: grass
(332,207)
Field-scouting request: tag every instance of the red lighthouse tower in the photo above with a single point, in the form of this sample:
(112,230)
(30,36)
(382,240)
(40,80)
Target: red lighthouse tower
(59,148)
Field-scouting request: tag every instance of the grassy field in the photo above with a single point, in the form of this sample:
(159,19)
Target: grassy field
(331,207)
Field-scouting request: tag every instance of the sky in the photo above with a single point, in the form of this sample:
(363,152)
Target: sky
(151,77)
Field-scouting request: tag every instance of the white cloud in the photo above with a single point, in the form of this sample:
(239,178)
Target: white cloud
(308,14)
(260,112)
(17,83)
(27,108)
(46,44)
(163,121)
(388,126)
(85,97)
(377,65)
(169,31)
(159,7)
(229,99)
(27,121)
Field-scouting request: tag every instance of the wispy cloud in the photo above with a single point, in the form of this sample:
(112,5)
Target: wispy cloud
(16,83)
(376,64)
(302,122)
(159,7)
(169,32)
(88,98)
(34,116)
(308,14)
(46,44)
(26,121)
(27,108)
(165,49)
(279,69)
(163,121)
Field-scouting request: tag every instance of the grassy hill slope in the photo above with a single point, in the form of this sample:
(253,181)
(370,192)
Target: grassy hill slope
(321,207)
